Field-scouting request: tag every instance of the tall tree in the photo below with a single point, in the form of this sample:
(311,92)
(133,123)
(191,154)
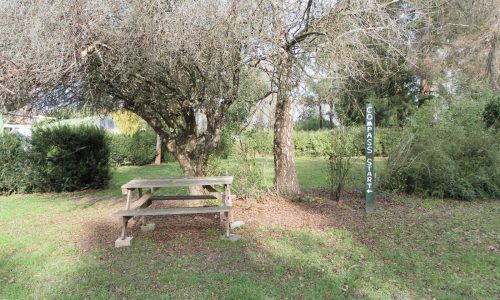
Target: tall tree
(341,35)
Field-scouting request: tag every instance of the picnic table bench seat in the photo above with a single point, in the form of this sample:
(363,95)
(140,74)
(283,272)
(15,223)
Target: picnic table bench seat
(183,197)
(172,211)
(139,207)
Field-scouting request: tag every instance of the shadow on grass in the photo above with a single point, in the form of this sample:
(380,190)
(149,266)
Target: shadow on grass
(184,258)
(70,253)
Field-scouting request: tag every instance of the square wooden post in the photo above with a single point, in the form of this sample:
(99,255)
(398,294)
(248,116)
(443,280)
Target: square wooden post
(124,227)
(228,202)
(129,198)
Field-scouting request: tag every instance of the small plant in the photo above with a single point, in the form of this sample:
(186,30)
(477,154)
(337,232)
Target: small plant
(250,175)
(339,162)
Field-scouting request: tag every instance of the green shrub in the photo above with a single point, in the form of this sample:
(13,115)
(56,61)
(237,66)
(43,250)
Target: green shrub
(138,149)
(69,158)
(15,166)
(315,143)
(446,153)
(491,114)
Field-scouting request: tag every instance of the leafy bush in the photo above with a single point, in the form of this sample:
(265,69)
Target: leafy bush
(446,153)
(491,114)
(15,166)
(69,158)
(138,149)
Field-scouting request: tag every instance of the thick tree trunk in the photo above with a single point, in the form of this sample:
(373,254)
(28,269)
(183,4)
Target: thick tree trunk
(285,182)
(158,150)
(190,171)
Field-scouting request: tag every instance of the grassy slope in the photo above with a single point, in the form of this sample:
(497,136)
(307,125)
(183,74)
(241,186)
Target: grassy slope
(416,248)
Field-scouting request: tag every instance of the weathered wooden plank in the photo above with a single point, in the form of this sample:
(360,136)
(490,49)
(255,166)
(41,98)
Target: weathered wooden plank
(172,211)
(142,202)
(175,182)
(183,197)
(129,199)
(210,189)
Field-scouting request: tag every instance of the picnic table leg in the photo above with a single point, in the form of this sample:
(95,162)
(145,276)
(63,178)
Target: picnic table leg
(228,201)
(129,198)
(124,227)
(124,240)
(143,220)
(227,233)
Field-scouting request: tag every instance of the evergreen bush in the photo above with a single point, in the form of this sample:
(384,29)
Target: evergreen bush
(69,158)
(55,159)
(15,165)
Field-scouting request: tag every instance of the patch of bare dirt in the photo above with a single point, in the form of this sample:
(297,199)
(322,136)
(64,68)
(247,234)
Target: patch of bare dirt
(282,212)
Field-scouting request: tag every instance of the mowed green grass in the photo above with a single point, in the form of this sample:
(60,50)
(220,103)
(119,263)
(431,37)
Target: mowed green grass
(410,248)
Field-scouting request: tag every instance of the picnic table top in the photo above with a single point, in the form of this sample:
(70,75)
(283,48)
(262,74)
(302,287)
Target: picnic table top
(174,182)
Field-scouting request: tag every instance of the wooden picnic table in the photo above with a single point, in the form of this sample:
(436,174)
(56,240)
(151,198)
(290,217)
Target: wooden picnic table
(139,207)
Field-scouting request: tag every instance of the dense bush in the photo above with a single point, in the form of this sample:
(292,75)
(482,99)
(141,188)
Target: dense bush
(491,114)
(69,158)
(446,152)
(138,149)
(15,165)
(55,159)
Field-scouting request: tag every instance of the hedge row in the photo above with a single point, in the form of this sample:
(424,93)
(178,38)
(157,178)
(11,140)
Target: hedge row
(317,143)
(55,159)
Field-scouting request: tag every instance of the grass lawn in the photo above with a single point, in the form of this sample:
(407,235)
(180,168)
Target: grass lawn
(61,246)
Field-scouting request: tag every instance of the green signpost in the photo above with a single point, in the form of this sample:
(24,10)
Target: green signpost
(369,162)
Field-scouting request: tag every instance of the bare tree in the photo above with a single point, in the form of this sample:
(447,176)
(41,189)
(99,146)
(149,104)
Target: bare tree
(338,37)
(170,62)
(458,36)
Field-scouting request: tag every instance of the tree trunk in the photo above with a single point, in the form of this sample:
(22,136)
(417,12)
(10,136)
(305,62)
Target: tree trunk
(285,182)
(491,69)
(320,114)
(189,171)
(330,113)
(158,150)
